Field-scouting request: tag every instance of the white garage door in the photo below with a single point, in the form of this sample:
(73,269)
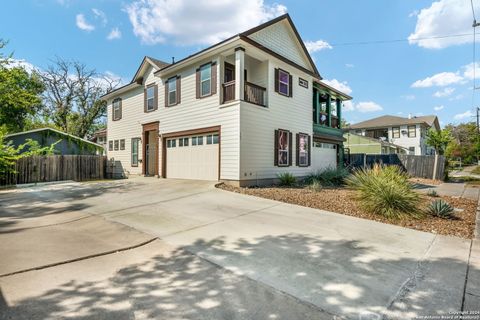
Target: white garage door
(193,157)
(324,155)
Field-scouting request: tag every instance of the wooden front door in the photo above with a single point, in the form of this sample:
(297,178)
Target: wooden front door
(150,149)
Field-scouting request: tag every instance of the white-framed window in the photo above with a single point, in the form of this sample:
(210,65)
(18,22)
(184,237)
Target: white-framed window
(205,80)
(150,98)
(122,144)
(183,142)
(117,109)
(303,150)
(171,143)
(303,83)
(283,148)
(324,145)
(283,82)
(135,144)
(172,91)
(197,141)
(396,132)
(116,144)
(412,131)
(212,138)
(110,145)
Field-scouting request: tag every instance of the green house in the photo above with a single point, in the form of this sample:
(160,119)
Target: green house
(362,144)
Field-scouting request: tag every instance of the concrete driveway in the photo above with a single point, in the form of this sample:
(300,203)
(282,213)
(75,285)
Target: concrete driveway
(190,251)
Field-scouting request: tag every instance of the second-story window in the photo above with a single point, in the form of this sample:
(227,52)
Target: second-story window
(151,98)
(117,109)
(283,82)
(172,91)
(205,80)
(396,132)
(412,131)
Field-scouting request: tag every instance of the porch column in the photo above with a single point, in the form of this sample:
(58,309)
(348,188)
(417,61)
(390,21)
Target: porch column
(239,67)
(339,113)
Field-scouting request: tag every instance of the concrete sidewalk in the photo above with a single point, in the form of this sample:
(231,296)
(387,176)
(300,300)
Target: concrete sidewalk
(460,190)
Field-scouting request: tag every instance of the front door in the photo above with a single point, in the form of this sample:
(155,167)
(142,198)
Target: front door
(150,147)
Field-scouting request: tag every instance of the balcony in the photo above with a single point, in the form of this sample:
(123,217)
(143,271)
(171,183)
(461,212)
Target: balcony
(228,91)
(252,93)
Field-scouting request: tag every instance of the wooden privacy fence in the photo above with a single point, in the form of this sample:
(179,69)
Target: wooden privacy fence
(416,166)
(56,168)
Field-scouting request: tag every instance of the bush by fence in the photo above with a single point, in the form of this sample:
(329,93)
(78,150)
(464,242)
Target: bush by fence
(56,168)
(416,166)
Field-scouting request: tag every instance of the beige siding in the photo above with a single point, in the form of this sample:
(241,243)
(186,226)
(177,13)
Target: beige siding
(191,113)
(281,39)
(258,125)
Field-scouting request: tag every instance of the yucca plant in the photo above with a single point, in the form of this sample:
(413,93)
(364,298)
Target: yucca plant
(385,190)
(286,179)
(329,177)
(440,208)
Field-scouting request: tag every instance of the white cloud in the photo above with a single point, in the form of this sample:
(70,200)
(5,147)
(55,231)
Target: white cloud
(469,69)
(315,46)
(196,22)
(414,13)
(461,116)
(362,107)
(444,17)
(349,65)
(368,107)
(440,79)
(12,63)
(115,33)
(444,93)
(83,24)
(348,106)
(438,108)
(342,86)
(457,97)
(99,14)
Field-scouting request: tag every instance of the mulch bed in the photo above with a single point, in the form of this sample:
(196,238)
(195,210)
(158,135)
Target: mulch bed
(342,200)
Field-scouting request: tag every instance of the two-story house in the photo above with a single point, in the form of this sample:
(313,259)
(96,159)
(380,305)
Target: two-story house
(408,133)
(240,111)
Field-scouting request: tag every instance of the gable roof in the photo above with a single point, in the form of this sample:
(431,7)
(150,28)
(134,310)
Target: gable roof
(155,63)
(388,120)
(245,37)
(53,130)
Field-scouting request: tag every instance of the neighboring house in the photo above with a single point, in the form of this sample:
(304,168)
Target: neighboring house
(68,144)
(239,111)
(408,133)
(100,137)
(363,144)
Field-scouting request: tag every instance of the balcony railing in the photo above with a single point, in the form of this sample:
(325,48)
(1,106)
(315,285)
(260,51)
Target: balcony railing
(228,91)
(255,94)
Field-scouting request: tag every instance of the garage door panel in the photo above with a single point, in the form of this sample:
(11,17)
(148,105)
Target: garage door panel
(198,162)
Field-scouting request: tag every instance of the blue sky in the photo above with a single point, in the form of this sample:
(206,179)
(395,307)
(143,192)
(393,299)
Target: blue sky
(398,78)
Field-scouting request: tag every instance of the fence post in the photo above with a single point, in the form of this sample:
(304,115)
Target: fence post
(435,164)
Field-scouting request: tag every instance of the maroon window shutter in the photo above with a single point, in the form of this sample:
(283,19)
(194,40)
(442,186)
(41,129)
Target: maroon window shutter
(166,93)
(277,83)
(197,81)
(289,148)
(275,148)
(309,151)
(290,85)
(297,148)
(214,77)
(155,97)
(145,100)
(179,89)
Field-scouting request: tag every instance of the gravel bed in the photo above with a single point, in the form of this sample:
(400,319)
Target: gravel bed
(342,200)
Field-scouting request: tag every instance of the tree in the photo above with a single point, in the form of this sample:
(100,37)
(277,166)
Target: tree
(465,143)
(19,94)
(73,96)
(439,139)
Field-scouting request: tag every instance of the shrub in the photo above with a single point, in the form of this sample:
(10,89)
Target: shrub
(329,177)
(385,191)
(315,186)
(432,193)
(286,179)
(441,209)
